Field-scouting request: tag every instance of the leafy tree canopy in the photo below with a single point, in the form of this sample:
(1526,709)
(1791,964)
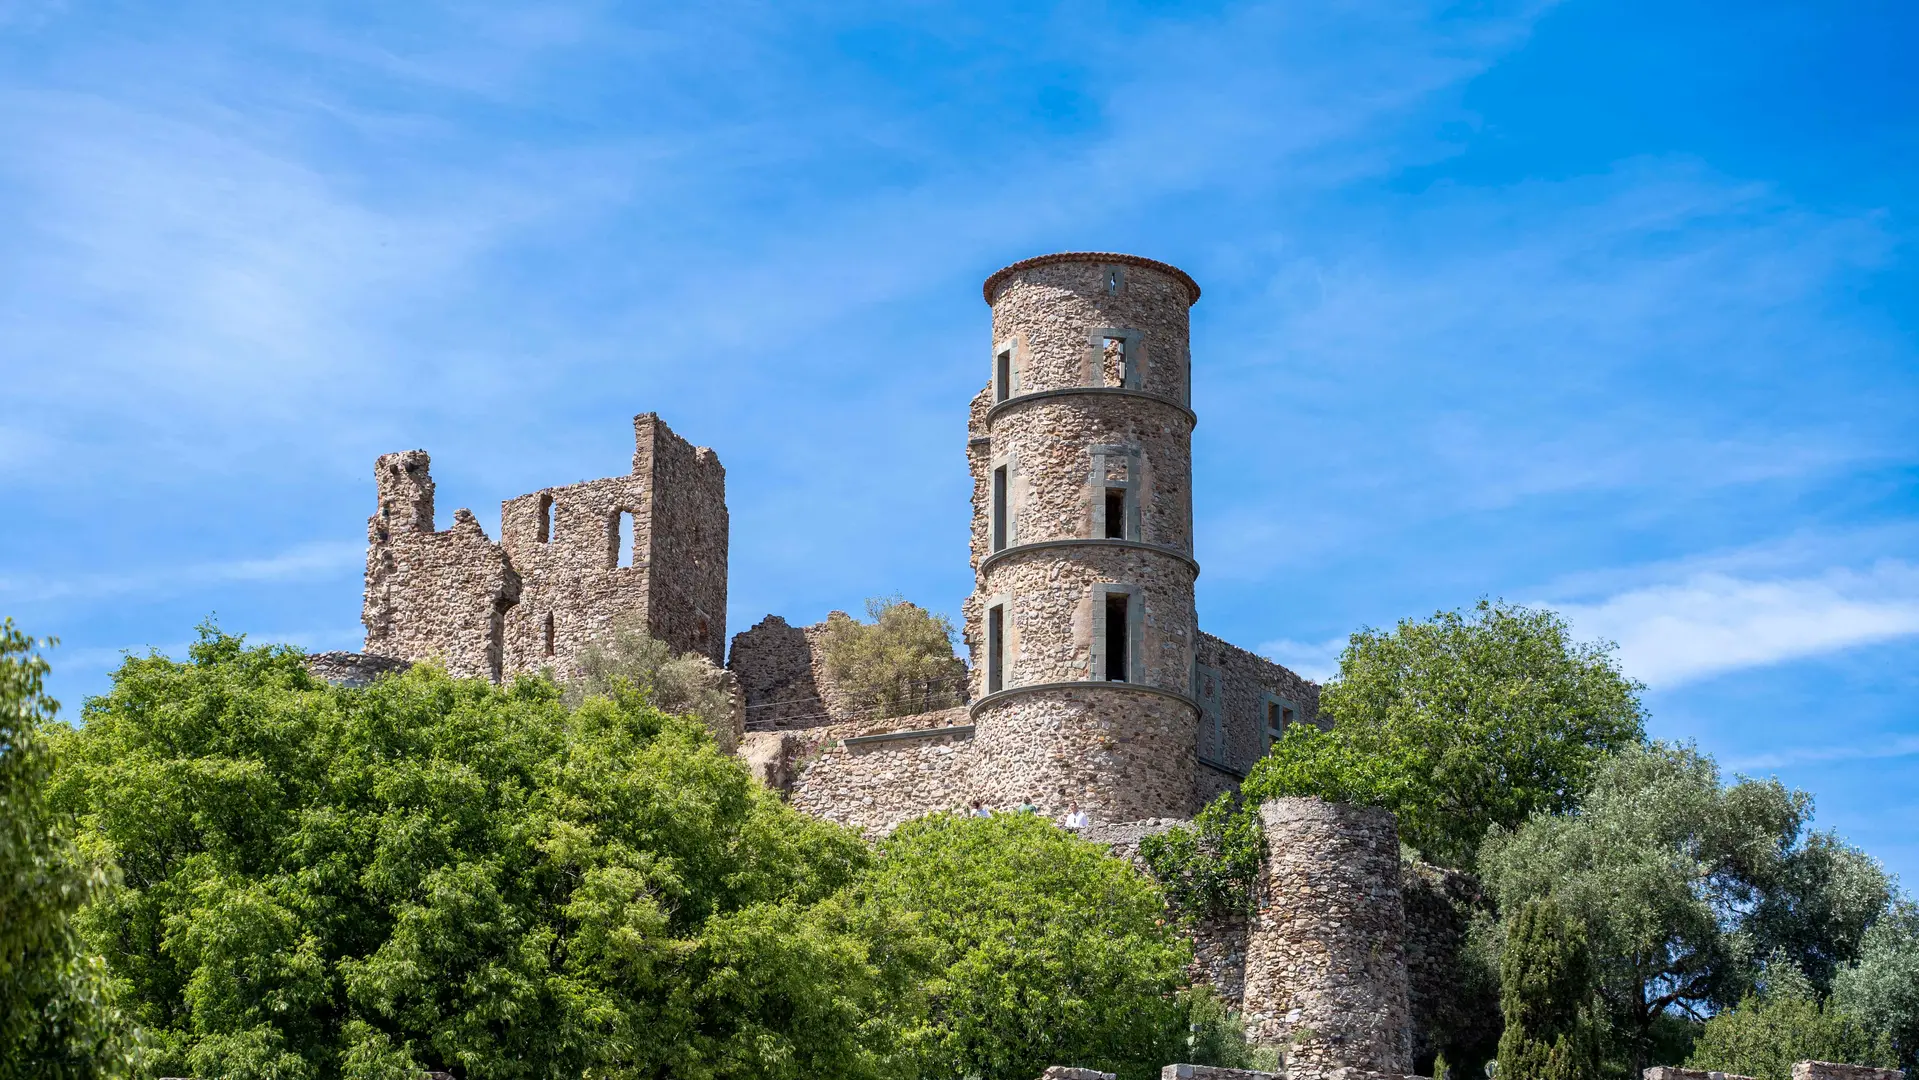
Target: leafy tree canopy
(1459,723)
(1881,987)
(899,664)
(1040,950)
(427,872)
(1679,880)
(56,1021)
(1788,1023)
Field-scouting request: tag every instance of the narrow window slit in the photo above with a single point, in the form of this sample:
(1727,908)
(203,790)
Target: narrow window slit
(1003,376)
(1116,644)
(543,531)
(996,648)
(620,536)
(1116,513)
(546,635)
(999,508)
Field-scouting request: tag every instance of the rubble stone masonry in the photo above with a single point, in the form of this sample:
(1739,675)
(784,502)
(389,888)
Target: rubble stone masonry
(1325,957)
(1082,467)
(574,561)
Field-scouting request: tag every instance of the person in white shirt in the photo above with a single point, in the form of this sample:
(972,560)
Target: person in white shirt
(980,811)
(1075,817)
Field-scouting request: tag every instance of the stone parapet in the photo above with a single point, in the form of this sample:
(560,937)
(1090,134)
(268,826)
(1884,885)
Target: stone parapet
(1063,1072)
(1673,1072)
(1212,1072)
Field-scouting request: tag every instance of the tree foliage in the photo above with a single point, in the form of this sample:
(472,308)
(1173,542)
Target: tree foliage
(683,684)
(56,1018)
(1881,986)
(899,664)
(429,872)
(1459,723)
(1553,1031)
(1677,879)
(1040,949)
(1209,868)
(1766,1033)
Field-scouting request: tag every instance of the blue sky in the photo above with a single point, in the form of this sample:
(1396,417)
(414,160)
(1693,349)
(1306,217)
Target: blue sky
(1608,306)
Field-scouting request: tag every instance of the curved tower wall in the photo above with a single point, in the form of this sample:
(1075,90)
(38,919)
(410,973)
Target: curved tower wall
(1326,955)
(1081,448)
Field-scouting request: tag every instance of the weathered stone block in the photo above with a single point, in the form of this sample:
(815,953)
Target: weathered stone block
(1832,1070)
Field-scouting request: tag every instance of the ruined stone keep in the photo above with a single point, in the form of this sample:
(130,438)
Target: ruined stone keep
(572,562)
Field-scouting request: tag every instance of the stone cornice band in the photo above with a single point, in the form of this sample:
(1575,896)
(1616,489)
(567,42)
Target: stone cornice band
(915,733)
(1192,418)
(1131,545)
(1108,257)
(972,711)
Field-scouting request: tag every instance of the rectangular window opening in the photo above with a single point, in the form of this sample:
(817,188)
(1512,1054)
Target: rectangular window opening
(1003,376)
(620,535)
(546,635)
(1116,643)
(999,508)
(1113,362)
(996,648)
(544,530)
(1116,513)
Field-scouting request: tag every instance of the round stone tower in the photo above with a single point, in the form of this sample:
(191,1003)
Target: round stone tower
(1081,623)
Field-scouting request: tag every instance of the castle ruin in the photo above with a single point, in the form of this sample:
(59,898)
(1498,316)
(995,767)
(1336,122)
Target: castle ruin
(1090,681)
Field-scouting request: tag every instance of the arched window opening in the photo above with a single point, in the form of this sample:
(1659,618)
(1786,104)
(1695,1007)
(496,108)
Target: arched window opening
(620,538)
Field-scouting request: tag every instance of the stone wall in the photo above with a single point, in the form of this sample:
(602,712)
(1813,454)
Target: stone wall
(779,672)
(1325,958)
(873,776)
(555,582)
(1212,1072)
(1454,999)
(432,595)
(1236,690)
(351,669)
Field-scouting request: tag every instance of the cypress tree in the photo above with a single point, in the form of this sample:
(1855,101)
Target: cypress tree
(1546,996)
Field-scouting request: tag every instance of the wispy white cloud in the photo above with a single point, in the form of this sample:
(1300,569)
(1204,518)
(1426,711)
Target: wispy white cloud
(1712,622)
(1318,661)
(1905,746)
(303,562)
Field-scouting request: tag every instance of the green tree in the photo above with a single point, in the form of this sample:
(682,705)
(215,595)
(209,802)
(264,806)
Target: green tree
(1039,949)
(1881,987)
(1666,868)
(683,684)
(56,1017)
(431,872)
(1209,868)
(899,664)
(1546,996)
(1766,1033)
(1459,723)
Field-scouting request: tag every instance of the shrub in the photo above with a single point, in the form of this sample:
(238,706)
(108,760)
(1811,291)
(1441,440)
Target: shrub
(1037,948)
(900,663)
(683,684)
(1768,1032)
(1210,868)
